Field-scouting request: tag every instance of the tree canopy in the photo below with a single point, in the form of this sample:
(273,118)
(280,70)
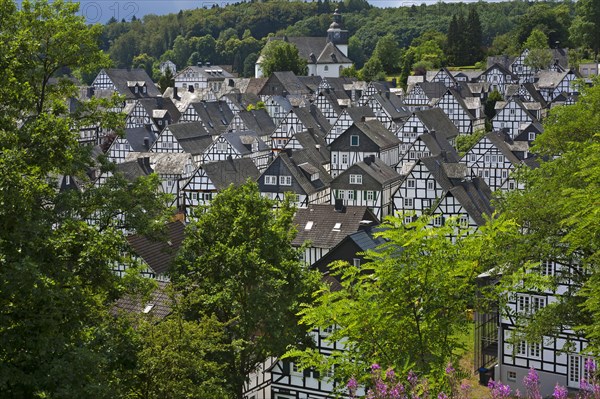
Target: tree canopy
(279,56)
(237,265)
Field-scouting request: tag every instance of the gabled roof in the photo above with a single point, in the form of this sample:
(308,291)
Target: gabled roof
(122,79)
(165,163)
(292,160)
(433,90)
(502,141)
(393,105)
(331,54)
(373,167)
(242,141)
(255,85)
(231,171)
(140,138)
(216,115)
(435,119)
(133,169)
(437,143)
(474,196)
(325,227)
(308,45)
(313,118)
(192,137)
(258,120)
(166,104)
(502,70)
(159,253)
(358,114)
(375,131)
(284,83)
(215,72)
(445,169)
(314,143)
(242,100)
(311,82)
(549,79)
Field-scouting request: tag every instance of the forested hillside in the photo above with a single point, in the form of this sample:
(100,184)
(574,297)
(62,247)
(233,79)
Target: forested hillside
(234,34)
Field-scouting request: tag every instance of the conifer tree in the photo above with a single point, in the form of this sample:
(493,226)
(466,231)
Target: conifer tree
(473,38)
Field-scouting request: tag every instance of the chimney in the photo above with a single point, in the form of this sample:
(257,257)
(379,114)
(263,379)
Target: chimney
(370,159)
(175,94)
(339,205)
(144,163)
(387,95)
(207,64)
(318,147)
(147,143)
(199,64)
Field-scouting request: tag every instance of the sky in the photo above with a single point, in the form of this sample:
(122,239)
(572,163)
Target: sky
(100,11)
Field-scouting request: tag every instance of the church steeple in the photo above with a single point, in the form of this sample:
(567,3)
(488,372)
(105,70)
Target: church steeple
(337,35)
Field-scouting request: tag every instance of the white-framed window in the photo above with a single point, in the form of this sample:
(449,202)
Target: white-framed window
(511,375)
(472,157)
(334,158)
(438,220)
(221,146)
(354,140)
(344,159)
(341,194)
(285,180)
(430,185)
(351,195)
(370,196)
(522,348)
(547,268)
(408,202)
(411,183)
(511,185)
(535,350)
(426,203)
(504,174)
(531,136)
(487,159)
(326,68)
(356,262)
(463,221)
(270,180)
(355,179)
(407,219)
(500,158)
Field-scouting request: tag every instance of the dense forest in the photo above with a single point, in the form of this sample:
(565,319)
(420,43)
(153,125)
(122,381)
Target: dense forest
(234,34)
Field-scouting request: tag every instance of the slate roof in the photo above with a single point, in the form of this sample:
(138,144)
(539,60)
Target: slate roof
(321,220)
(259,121)
(121,77)
(133,169)
(433,90)
(437,143)
(216,115)
(358,114)
(378,133)
(502,141)
(255,85)
(242,100)
(331,54)
(393,105)
(164,163)
(192,137)
(160,103)
(373,167)
(315,143)
(242,141)
(231,171)
(504,70)
(435,119)
(211,72)
(549,79)
(158,305)
(439,167)
(292,160)
(280,83)
(474,196)
(308,45)
(313,118)
(159,254)
(140,138)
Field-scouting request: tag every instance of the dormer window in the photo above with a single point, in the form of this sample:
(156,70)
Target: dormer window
(355,179)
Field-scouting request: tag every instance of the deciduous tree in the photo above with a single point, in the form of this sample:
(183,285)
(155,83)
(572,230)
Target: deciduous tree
(279,55)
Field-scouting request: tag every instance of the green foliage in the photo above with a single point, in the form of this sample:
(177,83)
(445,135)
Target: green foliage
(166,80)
(404,307)
(282,56)
(464,142)
(145,62)
(490,104)
(562,225)
(585,29)
(465,39)
(539,56)
(373,70)
(237,264)
(388,53)
(56,284)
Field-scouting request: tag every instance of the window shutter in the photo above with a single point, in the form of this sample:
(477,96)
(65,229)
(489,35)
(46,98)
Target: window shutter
(316,374)
(306,372)
(355,196)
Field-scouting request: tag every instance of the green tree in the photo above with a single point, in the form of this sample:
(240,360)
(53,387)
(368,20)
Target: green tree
(562,226)
(388,53)
(279,56)
(145,62)
(539,56)
(585,29)
(166,80)
(237,265)
(489,107)
(473,37)
(372,70)
(404,308)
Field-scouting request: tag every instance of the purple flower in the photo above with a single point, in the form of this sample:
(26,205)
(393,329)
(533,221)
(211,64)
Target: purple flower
(560,392)
(442,395)
(450,369)
(375,367)
(499,390)
(352,384)
(412,378)
(389,374)
(532,383)
(590,366)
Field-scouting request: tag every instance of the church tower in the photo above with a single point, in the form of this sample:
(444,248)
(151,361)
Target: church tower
(337,35)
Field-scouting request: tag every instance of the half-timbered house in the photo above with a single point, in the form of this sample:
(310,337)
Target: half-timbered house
(423,95)
(208,179)
(388,109)
(498,78)
(138,139)
(257,120)
(426,182)
(321,227)
(299,120)
(464,116)
(238,144)
(552,84)
(215,116)
(362,140)
(427,144)
(133,84)
(197,77)
(190,137)
(492,159)
(346,119)
(513,116)
(368,183)
(298,173)
(424,121)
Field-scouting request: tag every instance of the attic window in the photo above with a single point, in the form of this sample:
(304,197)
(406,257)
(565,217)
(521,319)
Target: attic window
(309,225)
(354,141)
(337,227)
(148,308)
